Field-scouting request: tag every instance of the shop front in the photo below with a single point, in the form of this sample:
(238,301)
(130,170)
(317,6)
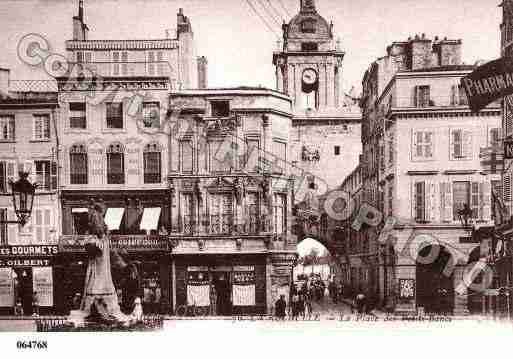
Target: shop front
(149,281)
(26,277)
(220,284)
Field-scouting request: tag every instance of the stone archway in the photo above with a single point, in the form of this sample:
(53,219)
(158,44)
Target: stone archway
(435,289)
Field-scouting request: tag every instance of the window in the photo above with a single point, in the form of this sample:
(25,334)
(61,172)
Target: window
(220,108)
(115,115)
(221,213)
(84,56)
(279,213)
(79,217)
(7,173)
(186,156)
(7,128)
(337,150)
(252,155)
(253,212)
(458,96)
(41,127)
(422,144)
(308,26)
(151,59)
(461,144)
(422,96)
(115,65)
(188,213)
(151,114)
(124,64)
(115,164)
(78,164)
(42,224)
(3,227)
(220,159)
(466,193)
(46,175)
(280,151)
(420,204)
(152,163)
(495,138)
(497,188)
(77,115)
(309,46)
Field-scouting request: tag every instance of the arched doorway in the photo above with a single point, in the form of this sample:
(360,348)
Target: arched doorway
(435,289)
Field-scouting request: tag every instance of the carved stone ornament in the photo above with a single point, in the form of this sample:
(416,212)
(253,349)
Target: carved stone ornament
(201,244)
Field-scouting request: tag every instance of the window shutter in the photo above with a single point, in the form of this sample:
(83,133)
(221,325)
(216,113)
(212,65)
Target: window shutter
(467,144)
(53,175)
(47,220)
(454,98)
(3,177)
(475,199)
(452,144)
(416,96)
(414,144)
(428,144)
(38,224)
(11,228)
(431,201)
(485,201)
(446,204)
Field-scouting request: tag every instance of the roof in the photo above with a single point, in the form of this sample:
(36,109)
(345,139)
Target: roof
(444,68)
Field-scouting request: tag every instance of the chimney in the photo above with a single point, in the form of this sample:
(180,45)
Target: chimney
(4,81)
(80,29)
(202,72)
(420,53)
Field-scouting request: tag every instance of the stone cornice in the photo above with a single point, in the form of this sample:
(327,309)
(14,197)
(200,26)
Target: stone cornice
(109,84)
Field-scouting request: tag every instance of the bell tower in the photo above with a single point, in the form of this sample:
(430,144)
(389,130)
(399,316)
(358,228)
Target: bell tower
(309,63)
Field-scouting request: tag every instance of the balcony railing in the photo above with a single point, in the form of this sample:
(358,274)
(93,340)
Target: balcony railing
(223,225)
(433,102)
(131,242)
(120,69)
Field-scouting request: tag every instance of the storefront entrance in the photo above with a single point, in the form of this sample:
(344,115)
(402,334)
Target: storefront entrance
(435,289)
(222,284)
(23,288)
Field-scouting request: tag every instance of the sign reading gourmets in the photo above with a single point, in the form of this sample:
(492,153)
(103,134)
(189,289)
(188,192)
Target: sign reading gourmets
(29,251)
(488,83)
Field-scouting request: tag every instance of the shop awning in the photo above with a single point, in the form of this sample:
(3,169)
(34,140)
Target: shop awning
(79,210)
(113,218)
(150,219)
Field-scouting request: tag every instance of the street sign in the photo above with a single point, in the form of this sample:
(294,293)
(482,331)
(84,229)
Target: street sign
(508,148)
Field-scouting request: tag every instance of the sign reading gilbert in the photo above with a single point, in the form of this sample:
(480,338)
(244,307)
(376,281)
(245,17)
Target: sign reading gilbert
(490,82)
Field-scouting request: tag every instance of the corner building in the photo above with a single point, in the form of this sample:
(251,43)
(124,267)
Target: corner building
(231,197)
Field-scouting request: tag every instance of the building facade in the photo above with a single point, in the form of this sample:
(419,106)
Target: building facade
(28,143)
(115,149)
(412,104)
(231,199)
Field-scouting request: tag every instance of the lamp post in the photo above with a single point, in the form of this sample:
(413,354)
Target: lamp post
(23,199)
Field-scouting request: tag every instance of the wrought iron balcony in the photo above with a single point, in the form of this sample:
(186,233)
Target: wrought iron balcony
(223,225)
(130,242)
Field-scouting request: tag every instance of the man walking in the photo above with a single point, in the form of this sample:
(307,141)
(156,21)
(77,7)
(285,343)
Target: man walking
(280,307)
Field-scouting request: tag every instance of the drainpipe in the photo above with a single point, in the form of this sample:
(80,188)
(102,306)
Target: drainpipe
(58,168)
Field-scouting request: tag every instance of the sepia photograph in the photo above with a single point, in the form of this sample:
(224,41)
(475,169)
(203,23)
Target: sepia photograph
(254,168)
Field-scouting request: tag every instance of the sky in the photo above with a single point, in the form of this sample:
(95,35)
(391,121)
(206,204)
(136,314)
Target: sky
(237,43)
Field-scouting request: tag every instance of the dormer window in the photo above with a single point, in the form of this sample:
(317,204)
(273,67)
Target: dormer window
(308,26)
(309,46)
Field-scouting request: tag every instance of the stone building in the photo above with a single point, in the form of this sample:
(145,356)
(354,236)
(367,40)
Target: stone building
(325,135)
(115,148)
(231,199)
(412,104)
(28,143)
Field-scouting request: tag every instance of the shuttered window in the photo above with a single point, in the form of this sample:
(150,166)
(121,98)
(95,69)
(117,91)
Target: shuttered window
(41,127)
(279,213)
(187,157)
(422,144)
(115,164)
(461,144)
(7,126)
(152,164)
(252,155)
(424,201)
(42,223)
(422,96)
(114,115)
(46,175)
(420,201)
(78,164)
(221,213)
(188,218)
(77,115)
(3,226)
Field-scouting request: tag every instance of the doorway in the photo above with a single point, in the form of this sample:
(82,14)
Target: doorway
(24,288)
(435,289)
(222,283)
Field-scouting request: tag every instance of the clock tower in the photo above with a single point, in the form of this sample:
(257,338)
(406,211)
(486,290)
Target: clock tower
(309,66)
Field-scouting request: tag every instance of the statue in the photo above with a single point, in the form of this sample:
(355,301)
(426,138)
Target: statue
(100,301)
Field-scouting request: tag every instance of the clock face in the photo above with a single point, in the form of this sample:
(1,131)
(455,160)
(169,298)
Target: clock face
(309,77)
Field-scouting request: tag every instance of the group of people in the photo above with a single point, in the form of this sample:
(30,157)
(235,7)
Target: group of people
(20,311)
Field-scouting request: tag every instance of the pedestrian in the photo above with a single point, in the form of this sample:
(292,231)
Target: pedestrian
(213,300)
(35,304)
(301,305)
(77,301)
(295,306)
(280,307)
(18,308)
(360,303)
(308,306)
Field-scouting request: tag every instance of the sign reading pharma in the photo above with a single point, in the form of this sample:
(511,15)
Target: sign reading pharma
(488,83)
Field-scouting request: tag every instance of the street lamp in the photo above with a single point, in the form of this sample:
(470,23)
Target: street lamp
(23,198)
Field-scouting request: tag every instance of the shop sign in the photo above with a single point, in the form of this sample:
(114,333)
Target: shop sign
(243,268)
(139,242)
(508,148)
(6,288)
(407,289)
(20,262)
(29,251)
(488,83)
(43,285)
